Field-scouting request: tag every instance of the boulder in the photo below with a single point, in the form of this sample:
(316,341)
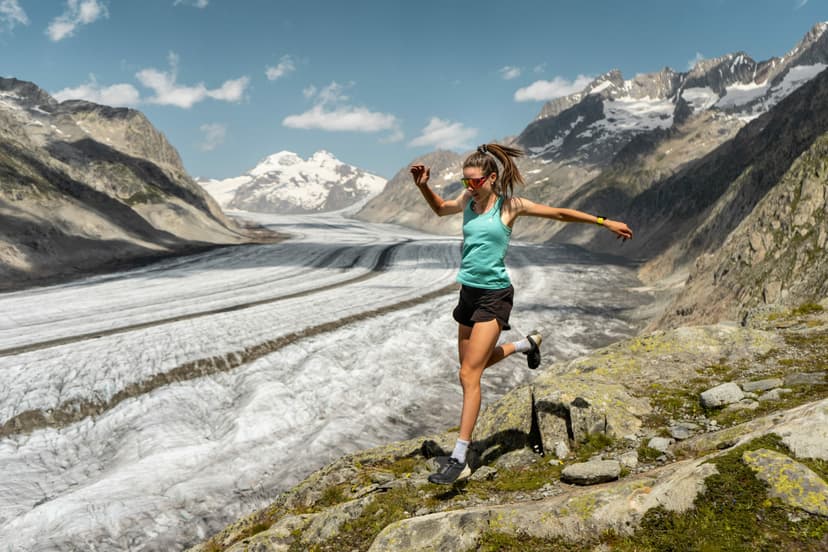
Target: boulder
(761,385)
(592,472)
(721,395)
(774,394)
(808,378)
(793,483)
(661,444)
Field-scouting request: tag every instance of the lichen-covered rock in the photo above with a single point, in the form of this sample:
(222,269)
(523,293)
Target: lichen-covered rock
(793,483)
(587,405)
(592,472)
(508,421)
(583,511)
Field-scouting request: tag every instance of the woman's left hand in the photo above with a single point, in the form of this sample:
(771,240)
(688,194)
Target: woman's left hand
(621,230)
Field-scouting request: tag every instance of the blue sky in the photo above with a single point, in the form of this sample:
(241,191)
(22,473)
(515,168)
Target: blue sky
(376,83)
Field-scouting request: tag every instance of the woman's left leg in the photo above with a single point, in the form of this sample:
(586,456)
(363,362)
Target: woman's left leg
(476,356)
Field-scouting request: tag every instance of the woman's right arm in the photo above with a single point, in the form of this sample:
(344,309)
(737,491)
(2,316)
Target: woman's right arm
(442,207)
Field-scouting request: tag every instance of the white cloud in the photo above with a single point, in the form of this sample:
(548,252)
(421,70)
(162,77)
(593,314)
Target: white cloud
(117,95)
(196,3)
(445,134)
(214,134)
(285,66)
(801,4)
(330,113)
(542,90)
(509,72)
(344,118)
(11,14)
(169,92)
(692,63)
(78,12)
(230,91)
(540,68)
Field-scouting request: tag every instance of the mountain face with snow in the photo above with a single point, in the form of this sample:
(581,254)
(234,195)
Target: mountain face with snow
(86,187)
(286,183)
(595,124)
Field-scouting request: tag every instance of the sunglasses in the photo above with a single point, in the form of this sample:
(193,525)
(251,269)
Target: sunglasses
(474,183)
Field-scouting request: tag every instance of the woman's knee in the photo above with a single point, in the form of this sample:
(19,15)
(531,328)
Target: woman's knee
(470,374)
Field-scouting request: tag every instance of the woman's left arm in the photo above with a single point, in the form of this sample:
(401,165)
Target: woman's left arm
(524,207)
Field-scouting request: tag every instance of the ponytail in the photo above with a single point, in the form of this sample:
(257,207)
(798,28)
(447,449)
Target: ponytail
(484,159)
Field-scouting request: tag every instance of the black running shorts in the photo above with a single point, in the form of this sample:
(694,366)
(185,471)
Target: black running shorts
(482,305)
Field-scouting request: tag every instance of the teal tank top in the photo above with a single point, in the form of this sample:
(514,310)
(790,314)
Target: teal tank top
(485,240)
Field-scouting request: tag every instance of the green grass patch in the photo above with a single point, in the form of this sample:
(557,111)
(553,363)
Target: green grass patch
(648,454)
(675,402)
(806,309)
(596,442)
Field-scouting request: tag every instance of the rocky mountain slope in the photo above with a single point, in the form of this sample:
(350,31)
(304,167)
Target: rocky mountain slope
(707,437)
(286,183)
(85,187)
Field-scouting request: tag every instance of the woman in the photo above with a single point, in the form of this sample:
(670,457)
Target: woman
(489,212)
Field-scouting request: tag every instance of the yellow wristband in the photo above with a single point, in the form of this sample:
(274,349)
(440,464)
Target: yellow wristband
(600,221)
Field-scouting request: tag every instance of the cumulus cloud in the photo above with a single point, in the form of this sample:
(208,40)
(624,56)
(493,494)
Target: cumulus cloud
(440,133)
(509,72)
(214,134)
(168,92)
(284,67)
(118,95)
(692,63)
(331,112)
(195,3)
(543,90)
(11,15)
(77,13)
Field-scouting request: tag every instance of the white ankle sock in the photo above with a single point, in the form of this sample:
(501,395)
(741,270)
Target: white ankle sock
(522,346)
(460,448)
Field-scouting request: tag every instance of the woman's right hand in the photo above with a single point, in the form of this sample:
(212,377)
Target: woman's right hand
(421,174)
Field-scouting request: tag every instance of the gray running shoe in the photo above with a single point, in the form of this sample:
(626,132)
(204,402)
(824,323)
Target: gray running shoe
(452,472)
(533,356)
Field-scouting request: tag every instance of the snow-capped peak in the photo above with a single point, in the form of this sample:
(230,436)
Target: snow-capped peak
(285,182)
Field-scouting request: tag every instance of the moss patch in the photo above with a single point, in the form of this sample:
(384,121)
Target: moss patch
(358,534)
(524,479)
(492,541)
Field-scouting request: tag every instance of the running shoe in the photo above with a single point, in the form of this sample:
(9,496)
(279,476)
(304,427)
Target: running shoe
(533,356)
(452,472)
